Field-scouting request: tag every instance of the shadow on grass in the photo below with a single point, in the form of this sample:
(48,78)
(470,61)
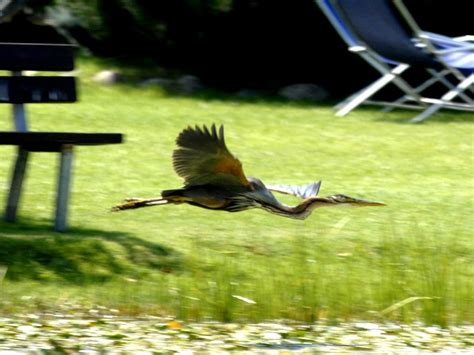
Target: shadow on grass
(263,97)
(404,117)
(397,116)
(32,251)
(138,71)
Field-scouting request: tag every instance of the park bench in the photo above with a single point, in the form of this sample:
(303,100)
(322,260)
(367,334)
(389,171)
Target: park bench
(18,90)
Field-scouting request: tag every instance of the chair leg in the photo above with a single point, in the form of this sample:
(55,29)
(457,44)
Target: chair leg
(442,78)
(451,94)
(435,77)
(16,184)
(358,98)
(64,183)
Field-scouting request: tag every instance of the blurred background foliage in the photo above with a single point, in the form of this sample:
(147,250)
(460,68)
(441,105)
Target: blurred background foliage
(229,44)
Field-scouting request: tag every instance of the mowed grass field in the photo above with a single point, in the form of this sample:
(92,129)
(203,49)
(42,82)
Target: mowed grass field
(411,260)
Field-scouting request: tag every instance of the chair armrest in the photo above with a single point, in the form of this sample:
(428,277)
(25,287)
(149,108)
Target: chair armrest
(357,49)
(466,38)
(438,39)
(468,48)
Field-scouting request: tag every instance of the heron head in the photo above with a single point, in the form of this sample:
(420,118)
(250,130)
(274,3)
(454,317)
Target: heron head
(343,200)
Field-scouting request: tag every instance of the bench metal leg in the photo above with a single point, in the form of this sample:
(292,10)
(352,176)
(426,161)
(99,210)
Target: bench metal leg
(64,183)
(16,185)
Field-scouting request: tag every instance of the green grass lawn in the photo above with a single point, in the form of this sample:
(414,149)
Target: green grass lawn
(192,263)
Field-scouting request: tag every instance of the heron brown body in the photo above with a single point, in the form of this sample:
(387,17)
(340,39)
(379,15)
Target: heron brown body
(214,179)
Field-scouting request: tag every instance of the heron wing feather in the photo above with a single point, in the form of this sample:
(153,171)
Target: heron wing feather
(203,158)
(302,191)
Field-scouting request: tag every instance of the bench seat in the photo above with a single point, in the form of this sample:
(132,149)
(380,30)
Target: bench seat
(53,141)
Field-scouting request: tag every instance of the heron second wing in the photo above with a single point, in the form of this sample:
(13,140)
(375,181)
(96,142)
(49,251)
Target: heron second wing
(203,158)
(303,191)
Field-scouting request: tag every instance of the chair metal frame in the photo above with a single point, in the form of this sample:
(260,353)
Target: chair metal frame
(465,82)
(392,69)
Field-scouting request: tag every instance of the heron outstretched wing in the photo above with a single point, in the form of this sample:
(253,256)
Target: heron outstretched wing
(302,191)
(203,158)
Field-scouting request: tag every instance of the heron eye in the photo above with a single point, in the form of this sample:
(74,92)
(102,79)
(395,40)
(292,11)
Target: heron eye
(343,198)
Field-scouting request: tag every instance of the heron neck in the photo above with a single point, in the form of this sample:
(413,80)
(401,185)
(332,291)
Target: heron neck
(308,205)
(302,210)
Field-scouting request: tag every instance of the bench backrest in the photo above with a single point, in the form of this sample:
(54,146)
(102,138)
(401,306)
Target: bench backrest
(18,89)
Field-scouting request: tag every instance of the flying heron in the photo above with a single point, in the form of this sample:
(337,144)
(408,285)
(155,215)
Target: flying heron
(214,179)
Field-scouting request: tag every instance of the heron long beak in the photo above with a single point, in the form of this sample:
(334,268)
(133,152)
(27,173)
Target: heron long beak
(357,202)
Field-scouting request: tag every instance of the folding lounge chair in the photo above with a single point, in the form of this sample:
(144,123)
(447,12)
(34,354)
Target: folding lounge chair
(457,59)
(459,52)
(371,29)
(390,70)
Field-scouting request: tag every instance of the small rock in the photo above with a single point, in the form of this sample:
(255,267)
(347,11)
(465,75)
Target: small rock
(162,82)
(272,336)
(188,84)
(349,339)
(366,326)
(310,92)
(374,333)
(27,329)
(108,77)
(248,93)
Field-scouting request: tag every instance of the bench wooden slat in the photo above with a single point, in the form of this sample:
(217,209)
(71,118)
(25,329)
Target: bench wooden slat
(36,56)
(37,89)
